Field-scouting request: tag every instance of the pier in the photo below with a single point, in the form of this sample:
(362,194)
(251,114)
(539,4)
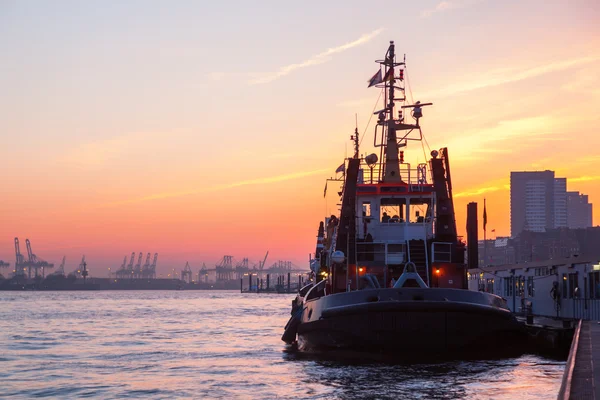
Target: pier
(282,283)
(581,379)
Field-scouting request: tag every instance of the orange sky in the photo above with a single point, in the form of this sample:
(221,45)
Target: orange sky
(195,131)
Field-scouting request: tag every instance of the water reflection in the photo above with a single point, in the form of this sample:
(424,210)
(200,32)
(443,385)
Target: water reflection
(214,345)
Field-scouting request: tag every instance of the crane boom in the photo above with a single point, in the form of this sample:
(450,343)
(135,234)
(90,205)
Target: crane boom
(264,260)
(18,255)
(147,263)
(139,262)
(131,260)
(30,254)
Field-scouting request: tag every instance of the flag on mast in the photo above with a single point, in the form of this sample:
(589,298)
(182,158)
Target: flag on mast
(389,75)
(341,168)
(375,79)
(325,191)
(484,215)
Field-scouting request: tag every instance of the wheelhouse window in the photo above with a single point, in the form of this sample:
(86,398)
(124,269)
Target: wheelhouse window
(366,209)
(392,210)
(419,210)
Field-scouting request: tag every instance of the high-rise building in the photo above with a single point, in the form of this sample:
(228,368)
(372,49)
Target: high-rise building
(560,203)
(579,210)
(539,201)
(532,196)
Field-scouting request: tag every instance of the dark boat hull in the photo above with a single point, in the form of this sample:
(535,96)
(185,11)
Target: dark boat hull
(440,322)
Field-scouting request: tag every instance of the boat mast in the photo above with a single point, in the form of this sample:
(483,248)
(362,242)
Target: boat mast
(392,164)
(355,139)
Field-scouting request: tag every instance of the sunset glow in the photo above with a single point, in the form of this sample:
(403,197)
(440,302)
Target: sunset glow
(202,129)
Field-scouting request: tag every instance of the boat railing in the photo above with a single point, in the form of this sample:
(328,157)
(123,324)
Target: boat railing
(318,290)
(387,253)
(412,176)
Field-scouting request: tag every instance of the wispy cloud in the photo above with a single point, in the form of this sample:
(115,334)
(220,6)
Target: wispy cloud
(366,101)
(478,192)
(258,181)
(477,143)
(316,59)
(503,76)
(585,81)
(100,152)
(447,5)
(585,178)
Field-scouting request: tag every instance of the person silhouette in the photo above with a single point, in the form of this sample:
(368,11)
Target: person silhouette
(385,218)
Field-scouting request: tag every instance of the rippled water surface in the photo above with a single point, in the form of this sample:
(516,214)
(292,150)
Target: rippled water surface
(195,344)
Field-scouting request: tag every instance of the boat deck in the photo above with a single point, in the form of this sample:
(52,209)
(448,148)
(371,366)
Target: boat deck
(582,372)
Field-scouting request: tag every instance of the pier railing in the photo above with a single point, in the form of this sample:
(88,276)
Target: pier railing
(565,387)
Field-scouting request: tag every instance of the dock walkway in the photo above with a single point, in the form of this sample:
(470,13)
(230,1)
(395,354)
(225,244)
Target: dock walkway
(582,372)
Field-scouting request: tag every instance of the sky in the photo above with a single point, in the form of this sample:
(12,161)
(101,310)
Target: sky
(197,129)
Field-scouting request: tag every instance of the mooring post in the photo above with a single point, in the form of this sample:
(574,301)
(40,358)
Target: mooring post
(241,285)
(289,276)
(268,282)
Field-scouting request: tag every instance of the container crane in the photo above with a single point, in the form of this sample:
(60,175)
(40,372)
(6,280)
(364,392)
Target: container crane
(262,264)
(153,267)
(35,262)
(146,267)
(121,271)
(20,264)
(203,274)
(83,268)
(32,259)
(129,270)
(137,270)
(61,267)
(186,274)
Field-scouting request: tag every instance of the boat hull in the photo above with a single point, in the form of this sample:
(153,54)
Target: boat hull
(409,322)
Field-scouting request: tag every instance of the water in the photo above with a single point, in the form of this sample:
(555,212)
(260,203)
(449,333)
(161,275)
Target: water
(195,344)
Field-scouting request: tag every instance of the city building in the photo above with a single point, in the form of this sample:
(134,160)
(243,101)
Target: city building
(560,203)
(532,195)
(540,202)
(498,251)
(579,210)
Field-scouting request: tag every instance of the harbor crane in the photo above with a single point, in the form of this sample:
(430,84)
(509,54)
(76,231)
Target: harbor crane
(35,262)
(224,269)
(83,268)
(121,271)
(20,264)
(152,272)
(203,274)
(61,268)
(186,273)
(261,265)
(242,268)
(137,270)
(129,270)
(146,267)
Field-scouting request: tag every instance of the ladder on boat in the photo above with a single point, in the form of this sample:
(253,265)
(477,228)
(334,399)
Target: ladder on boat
(417,254)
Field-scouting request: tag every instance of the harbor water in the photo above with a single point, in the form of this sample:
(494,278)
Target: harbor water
(203,344)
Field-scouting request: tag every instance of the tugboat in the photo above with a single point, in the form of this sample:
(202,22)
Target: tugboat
(389,272)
